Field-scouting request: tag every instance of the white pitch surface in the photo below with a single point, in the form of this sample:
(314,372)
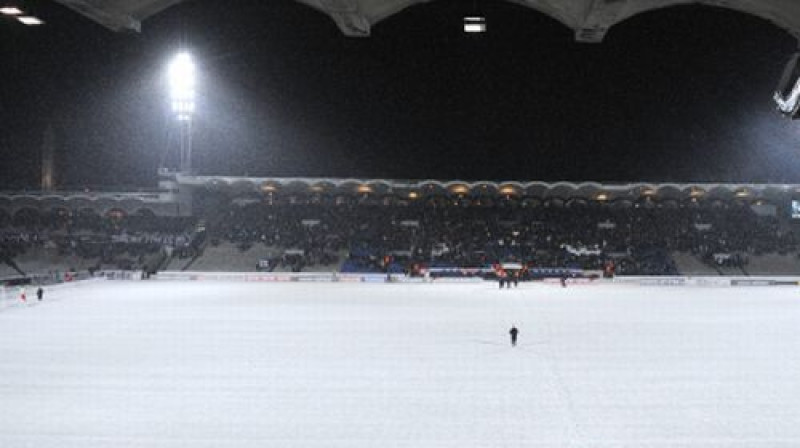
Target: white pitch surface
(162,364)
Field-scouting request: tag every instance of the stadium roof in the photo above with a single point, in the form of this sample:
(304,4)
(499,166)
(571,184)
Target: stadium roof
(430,187)
(590,19)
(166,203)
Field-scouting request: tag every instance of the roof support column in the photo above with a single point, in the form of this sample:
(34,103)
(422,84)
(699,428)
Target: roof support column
(599,17)
(347,15)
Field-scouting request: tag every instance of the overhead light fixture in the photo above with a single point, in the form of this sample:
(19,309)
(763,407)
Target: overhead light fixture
(10,11)
(475,24)
(508,190)
(30,20)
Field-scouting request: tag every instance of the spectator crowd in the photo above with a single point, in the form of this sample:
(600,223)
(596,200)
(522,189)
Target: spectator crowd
(395,236)
(372,234)
(114,241)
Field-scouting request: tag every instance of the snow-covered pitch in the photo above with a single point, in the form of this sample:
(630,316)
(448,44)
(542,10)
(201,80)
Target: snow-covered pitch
(182,364)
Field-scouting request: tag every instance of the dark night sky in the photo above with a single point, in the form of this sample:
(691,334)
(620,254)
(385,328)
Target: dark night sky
(681,94)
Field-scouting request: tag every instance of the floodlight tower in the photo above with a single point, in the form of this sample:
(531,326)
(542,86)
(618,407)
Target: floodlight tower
(182,80)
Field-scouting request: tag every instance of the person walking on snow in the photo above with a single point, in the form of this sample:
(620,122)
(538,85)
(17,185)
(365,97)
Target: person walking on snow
(513,332)
(39,293)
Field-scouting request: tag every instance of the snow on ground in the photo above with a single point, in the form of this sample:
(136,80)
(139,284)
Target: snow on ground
(169,364)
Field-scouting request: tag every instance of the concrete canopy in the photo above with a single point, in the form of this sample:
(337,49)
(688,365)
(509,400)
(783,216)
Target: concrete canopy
(119,15)
(590,19)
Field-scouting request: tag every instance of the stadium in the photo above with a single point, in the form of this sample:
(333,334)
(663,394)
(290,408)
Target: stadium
(216,309)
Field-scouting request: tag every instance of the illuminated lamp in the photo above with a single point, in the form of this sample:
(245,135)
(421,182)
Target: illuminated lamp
(10,11)
(30,20)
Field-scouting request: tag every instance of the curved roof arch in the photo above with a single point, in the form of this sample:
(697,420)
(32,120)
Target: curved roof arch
(589,19)
(783,13)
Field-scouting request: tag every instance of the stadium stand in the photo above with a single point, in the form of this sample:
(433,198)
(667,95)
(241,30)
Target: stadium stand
(227,256)
(62,242)
(390,233)
(773,264)
(688,264)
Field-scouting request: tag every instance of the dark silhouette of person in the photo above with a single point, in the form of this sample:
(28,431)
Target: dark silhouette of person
(39,293)
(513,332)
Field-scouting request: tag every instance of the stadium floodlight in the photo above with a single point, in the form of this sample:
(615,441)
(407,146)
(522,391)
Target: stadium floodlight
(182,86)
(30,20)
(10,11)
(182,82)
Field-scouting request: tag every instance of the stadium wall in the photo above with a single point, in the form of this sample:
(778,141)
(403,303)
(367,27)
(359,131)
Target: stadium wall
(709,281)
(304,277)
(716,281)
